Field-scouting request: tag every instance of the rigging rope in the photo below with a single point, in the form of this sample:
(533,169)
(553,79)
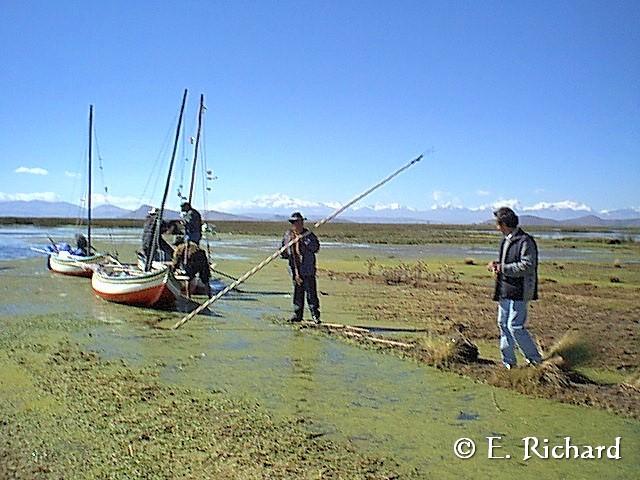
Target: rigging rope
(155,172)
(83,189)
(105,188)
(205,189)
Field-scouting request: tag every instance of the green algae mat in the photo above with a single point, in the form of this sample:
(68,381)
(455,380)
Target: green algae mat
(91,390)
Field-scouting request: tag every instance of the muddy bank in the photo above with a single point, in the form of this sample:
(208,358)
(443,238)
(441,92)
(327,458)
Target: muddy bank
(607,317)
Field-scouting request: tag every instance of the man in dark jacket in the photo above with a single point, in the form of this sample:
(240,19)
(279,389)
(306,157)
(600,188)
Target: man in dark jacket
(302,264)
(164,251)
(516,274)
(192,223)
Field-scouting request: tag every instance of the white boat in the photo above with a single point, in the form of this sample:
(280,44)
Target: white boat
(68,264)
(65,262)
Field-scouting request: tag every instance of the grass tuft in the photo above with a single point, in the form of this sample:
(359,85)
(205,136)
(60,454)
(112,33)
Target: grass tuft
(571,351)
(441,351)
(533,379)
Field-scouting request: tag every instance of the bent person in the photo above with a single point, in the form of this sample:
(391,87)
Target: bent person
(82,246)
(194,261)
(302,264)
(516,274)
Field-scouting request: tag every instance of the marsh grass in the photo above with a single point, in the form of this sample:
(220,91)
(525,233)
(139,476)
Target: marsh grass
(533,379)
(438,351)
(443,351)
(571,351)
(416,274)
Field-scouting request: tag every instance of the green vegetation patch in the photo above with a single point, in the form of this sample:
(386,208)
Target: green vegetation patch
(67,414)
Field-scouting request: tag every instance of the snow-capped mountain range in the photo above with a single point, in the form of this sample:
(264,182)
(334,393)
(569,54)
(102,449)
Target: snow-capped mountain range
(279,207)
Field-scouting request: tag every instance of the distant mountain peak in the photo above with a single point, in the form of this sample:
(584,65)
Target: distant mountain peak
(278,207)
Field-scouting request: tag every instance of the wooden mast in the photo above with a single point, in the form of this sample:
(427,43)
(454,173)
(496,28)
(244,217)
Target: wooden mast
(195,154)
(89,177)
(157,233)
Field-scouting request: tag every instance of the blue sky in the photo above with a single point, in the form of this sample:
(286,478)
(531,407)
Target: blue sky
(522,101)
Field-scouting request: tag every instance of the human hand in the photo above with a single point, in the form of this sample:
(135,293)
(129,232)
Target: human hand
(494,267)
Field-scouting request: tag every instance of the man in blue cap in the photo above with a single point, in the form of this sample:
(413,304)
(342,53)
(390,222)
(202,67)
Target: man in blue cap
(302,263)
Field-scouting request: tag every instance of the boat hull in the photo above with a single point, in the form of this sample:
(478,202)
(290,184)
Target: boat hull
(75,265)
(156,288)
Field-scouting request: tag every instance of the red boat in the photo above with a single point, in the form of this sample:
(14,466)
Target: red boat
(132,286)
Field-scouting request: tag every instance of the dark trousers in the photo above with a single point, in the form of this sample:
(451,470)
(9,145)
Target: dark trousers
(309,288)
(199,264)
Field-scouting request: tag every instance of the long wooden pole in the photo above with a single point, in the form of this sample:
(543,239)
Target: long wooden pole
(295,240)
(195,152)
(157,233)
(89,178)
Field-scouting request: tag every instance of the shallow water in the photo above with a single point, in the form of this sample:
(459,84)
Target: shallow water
(380,403)
(16,243)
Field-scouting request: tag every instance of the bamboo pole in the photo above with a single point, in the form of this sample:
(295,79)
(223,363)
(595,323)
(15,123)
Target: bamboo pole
(284,248)
(335,326)
(383,341)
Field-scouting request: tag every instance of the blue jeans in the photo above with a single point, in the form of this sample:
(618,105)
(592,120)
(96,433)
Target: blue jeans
(512,315)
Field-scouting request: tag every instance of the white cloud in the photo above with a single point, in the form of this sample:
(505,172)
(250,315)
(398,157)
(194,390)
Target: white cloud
(27,197)
(390,206)
(32,170)
(71,174)
(444,200)
(334,205)
(513,203)
(483,193)
(282,202)
(446,206)
(563,205)
(272,201)
(538,191)
(128,202)
(439,195)
(633,209)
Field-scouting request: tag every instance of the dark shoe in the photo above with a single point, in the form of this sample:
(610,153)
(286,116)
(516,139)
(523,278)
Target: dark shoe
(295,319)
(316,319)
